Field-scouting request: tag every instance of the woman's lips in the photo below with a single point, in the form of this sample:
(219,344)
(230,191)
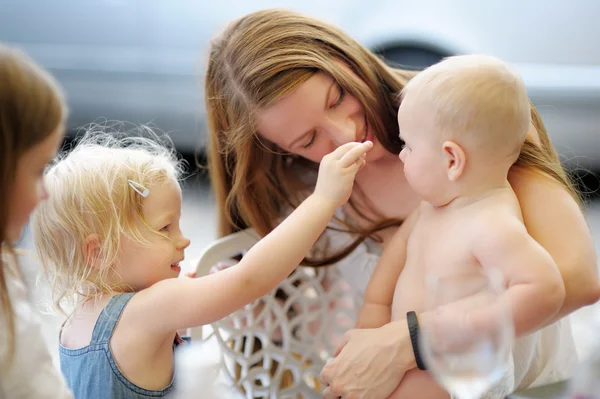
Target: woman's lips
(368,135)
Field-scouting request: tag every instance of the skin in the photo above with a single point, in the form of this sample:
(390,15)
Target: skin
(319,108)
(138,267)
(450,234)
(371,362)
(142,341)
(29,190)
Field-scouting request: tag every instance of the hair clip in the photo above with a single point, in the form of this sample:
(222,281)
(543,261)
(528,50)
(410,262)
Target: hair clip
(138,188)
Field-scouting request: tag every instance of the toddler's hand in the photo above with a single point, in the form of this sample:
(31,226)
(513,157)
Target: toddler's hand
(222,266)
(337,172)
(191,274)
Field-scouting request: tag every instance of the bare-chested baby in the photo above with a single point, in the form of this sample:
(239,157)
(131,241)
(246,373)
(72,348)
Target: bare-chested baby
(464,122)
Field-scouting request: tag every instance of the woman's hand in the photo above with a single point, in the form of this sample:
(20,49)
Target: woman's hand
(369,363)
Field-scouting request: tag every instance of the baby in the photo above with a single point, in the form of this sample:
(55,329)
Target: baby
(109,236)
(463,121)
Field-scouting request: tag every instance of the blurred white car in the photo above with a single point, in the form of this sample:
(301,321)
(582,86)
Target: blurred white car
(142,60)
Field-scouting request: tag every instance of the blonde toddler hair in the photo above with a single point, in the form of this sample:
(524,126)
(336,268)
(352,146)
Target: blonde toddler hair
(476,98)
(90,194)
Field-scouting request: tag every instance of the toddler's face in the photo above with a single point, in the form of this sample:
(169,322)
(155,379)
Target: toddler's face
(141,266)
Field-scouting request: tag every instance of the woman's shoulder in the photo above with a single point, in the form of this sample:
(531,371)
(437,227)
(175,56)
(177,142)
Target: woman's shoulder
(535,188)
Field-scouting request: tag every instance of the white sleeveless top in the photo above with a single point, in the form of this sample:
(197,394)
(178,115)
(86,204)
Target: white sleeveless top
(546,356)
(32,373)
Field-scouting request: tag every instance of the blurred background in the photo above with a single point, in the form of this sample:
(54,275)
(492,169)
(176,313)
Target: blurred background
(142,61)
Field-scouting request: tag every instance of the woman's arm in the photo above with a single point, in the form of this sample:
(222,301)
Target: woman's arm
(369,363)
(554,219)
(265,265)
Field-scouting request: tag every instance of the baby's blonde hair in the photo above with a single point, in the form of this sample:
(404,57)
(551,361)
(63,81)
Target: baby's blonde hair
(475,97)
(90,194)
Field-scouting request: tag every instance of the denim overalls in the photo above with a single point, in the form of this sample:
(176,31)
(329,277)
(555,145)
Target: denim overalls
(92,372)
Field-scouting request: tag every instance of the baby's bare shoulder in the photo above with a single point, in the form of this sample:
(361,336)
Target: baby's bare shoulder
(497,213)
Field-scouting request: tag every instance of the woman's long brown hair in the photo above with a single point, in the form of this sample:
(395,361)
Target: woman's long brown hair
(31,108)
(259,59)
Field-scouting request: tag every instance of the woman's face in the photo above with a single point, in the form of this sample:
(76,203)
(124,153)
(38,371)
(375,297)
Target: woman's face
(315,119)
(28,189)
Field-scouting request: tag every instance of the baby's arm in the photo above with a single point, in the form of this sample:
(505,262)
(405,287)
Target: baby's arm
(535,288)
(181,303)
(376,309)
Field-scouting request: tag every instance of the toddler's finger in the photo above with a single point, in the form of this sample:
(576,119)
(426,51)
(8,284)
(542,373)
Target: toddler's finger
(342,150)
(355,153)
(362,164)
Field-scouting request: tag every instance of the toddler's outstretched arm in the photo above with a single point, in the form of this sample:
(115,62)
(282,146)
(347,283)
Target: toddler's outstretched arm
(180,303)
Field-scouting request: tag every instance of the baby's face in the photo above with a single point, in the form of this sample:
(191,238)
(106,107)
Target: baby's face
(422,152)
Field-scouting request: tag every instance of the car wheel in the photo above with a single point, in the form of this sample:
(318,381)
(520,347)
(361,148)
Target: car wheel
(413,58)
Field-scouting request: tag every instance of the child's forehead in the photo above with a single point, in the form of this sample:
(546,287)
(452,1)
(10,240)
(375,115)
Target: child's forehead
(412,110)
(163,198)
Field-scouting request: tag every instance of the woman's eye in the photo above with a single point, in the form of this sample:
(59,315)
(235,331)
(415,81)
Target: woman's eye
(340,97)
(165,228)
(312,140)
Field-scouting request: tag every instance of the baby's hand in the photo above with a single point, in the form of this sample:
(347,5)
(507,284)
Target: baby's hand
(338,169)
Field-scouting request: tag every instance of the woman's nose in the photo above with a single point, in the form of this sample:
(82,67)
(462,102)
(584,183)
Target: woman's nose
(342,131)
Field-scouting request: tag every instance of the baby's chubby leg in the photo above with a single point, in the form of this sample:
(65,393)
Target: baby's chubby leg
(419,384)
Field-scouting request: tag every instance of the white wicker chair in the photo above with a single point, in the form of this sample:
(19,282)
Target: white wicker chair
(276,346)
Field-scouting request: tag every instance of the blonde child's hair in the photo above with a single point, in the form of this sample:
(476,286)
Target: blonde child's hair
(477,98)
(90,194)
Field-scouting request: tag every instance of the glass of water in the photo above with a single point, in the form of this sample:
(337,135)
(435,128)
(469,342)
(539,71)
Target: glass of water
(467,343)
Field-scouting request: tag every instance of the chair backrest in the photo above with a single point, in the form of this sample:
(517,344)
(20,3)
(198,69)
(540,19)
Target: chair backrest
(219,250)
(224,248)
(277,346)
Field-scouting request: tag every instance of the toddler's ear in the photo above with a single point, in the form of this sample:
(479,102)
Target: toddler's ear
(456,159)
(92,245)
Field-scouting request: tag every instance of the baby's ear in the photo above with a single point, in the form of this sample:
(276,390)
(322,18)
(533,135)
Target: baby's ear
(92,245)
(456,159)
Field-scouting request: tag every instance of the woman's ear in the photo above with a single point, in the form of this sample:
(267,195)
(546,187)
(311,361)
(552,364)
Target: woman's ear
(92,245)
(456,160)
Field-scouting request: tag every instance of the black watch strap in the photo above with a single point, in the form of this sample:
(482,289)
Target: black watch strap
(414,331)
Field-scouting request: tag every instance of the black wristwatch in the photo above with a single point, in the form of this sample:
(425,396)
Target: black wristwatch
(414,331)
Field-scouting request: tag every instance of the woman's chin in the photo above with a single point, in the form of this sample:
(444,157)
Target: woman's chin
(378,153)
